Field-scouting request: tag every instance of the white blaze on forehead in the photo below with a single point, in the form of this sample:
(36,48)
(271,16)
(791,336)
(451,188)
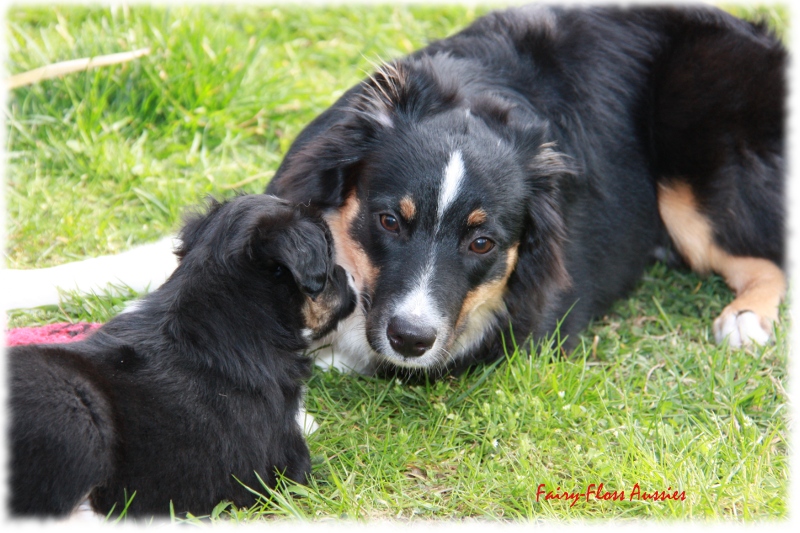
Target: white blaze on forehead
(451,183)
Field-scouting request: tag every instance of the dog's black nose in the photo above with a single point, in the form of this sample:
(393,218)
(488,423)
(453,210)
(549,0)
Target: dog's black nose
(410,339)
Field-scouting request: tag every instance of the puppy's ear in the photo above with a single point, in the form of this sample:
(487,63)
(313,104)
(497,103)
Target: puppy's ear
(303,247)
(307,254)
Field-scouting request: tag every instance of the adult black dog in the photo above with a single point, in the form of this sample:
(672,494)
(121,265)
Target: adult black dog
(194,392)
(526,170)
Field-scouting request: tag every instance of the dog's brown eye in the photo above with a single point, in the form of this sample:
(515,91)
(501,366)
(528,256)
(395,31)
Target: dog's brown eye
(390,223)
(481,245)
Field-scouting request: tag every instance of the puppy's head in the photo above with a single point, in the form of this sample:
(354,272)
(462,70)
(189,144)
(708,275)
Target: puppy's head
(256,252)
(438,194)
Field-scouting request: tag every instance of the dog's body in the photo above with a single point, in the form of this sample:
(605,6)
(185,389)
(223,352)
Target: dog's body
(525,170)
(195,390)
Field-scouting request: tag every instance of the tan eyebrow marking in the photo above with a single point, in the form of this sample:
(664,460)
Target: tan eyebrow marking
(407,208)
(477,217)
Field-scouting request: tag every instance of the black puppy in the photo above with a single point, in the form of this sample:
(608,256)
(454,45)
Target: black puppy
(196,391)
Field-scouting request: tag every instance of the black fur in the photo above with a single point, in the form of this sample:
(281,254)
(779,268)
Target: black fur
(192,392)
(575,116)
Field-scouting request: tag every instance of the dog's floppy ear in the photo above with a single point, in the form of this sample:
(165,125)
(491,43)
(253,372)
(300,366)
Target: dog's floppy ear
(322,165)
(306,252)
(545,230)
(324,162)
(302,246)
(541,270)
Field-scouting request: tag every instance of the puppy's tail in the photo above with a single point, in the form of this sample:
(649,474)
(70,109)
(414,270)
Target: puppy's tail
(141,268)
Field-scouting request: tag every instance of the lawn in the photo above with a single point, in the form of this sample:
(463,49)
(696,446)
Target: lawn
(101,160)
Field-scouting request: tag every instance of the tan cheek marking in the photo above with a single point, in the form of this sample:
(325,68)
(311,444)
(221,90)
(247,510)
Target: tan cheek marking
(314,314)
(349,252)
(407,208)
(317,314)
(490,293)
(476,218)
(759,284)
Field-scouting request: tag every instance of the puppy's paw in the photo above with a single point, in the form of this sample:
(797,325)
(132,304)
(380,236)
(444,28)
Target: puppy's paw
(85,514)
(742,328)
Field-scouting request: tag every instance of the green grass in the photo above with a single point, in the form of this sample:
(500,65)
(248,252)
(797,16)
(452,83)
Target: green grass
(102,160)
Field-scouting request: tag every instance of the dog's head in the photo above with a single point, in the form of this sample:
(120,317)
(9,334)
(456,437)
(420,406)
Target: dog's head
(442,200)
(260,257)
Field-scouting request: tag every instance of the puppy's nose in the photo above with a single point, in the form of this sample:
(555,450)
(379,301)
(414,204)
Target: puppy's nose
(409,339)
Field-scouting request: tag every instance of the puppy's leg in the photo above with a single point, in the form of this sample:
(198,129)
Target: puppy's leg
(759,283)
(61,432)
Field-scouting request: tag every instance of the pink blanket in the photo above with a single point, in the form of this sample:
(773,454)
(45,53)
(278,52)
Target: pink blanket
(49,334)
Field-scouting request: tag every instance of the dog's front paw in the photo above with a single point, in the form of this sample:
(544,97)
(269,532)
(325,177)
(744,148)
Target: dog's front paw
(742,328)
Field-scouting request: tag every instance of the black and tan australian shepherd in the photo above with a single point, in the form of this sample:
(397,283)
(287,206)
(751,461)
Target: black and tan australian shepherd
(178,404)
(524,171)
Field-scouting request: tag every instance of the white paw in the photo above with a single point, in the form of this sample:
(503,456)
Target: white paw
(85,514)
(743,328)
